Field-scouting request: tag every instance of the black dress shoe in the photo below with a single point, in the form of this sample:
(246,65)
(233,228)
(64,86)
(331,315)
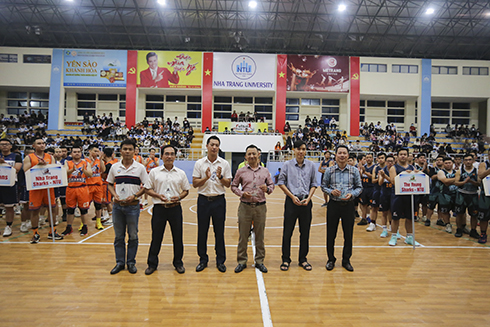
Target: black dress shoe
(180,269)
(201,266)
(132,268)
(330,265)
(261,267)
(117,269)
(150,270)
(221,267)
(348,266)
(240,267)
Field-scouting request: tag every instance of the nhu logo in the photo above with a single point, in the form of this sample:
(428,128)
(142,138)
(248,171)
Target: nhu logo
(243,67)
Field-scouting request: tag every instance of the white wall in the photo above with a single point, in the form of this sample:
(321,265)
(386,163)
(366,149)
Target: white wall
(25,75)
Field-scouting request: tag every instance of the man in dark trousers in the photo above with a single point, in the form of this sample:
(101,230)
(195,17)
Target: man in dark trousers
(343,183)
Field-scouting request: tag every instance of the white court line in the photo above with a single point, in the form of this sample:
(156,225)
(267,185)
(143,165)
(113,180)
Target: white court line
(264,302)
(88,238)
(486,247)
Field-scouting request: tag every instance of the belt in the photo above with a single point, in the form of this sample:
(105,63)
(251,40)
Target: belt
(213,198)
(253,204)
(126,204)
(168,205)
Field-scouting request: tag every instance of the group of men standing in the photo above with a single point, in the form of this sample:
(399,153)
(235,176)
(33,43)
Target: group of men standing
(341,182)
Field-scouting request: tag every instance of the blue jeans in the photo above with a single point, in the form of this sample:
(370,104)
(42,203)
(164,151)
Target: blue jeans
(125,217)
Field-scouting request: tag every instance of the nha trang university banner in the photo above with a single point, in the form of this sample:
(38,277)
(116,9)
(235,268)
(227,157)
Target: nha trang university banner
(246,71)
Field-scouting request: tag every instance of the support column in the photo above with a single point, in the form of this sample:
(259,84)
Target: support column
(131,89)
(281,92)
(56,101)
(355,96)
(207,91)
(425,98)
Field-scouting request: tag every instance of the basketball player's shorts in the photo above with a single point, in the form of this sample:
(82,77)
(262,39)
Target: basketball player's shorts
(96,193)
(39,198)
(78,197)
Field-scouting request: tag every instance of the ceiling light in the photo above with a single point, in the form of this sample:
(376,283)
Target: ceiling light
(429,11)
(161,2)
(252,4)
(342,7)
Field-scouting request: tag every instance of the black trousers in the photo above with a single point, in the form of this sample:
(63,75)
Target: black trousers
(292,213)
(205,211)
(337,210)
(158,222)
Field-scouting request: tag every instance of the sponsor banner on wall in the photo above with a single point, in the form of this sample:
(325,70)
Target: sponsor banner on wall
(94,68)
(318,73)
(242,127)
(169,69)
(246,71)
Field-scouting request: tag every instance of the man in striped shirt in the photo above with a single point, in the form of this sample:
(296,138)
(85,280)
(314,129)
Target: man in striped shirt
(343,183)
(125,179)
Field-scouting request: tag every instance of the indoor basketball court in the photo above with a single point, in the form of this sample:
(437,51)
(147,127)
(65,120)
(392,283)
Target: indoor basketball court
(67,283)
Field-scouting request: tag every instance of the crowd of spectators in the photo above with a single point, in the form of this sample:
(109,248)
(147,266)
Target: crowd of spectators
(100,129)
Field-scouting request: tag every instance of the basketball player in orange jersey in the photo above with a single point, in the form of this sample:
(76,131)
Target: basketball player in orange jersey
(137,156)
(39,198)
(77,193)
(150,163)
(94,183)
(109,160)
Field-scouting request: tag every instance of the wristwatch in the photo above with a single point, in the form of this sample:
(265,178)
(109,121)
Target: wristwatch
(220,178)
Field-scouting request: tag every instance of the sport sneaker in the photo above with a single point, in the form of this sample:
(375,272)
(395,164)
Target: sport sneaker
(324,205)
(42,220)
(77,212)
(440,222)
(466,230)
(482,239)
(56,236)
(17,210)
(474,234)
(424,218)
(107,222)
(81,226)
(427,222)
(67,231)
(35,238)
(449,228)
(459,232)
(409,241)
(393,240)
(362,222)
(371,227)
(98,225)
(29,224)
(398,236)
(23,227)
(8,231)
(145,203)
(84,230)
(384,233)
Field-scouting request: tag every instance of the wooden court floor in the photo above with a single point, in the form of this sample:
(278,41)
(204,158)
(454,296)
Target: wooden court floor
(444,282)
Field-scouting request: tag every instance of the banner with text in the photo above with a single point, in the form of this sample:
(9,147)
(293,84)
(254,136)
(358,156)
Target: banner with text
(242,127)
(318,73)
(169,69)
(48,176)
(8,175)
(96,68)
(411,183)
(247,71)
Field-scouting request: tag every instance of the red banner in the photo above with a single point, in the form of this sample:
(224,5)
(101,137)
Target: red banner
(207,91)
(355,96)
(131,89)
(281,92)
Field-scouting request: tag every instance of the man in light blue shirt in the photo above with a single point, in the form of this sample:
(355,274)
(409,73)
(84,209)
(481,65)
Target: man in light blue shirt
(343,183)
(298,181)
